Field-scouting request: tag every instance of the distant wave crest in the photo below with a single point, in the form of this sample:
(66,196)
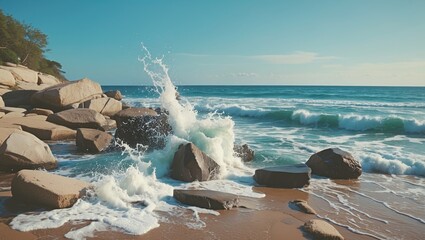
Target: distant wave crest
(352,122)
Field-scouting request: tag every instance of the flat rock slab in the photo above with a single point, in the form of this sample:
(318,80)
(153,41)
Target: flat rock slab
(320,229)
(286,176)
(78,118)
(47,189)
(207,199)
(12,109)
(38,126)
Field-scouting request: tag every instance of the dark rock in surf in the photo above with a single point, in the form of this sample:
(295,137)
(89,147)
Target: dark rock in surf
(142,126)
(244,152)
(92,140)
(335,163)
(207,199)
(191,164)
(286,176)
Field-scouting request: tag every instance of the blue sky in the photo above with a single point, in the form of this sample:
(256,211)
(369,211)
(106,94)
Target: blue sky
(362,42)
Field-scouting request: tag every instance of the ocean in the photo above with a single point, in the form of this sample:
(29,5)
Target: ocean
(382,127)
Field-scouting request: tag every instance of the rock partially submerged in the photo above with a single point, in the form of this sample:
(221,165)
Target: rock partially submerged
(207,199)
(92,140)
(335,163)
(142,126)
(47,189)
(63,96)
(191,164)
(22,150)
(286,176)
(78,118)
(244,152)
(320,229)
(302,206)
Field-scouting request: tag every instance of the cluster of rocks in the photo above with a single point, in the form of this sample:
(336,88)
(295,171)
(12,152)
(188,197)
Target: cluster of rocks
(79,110)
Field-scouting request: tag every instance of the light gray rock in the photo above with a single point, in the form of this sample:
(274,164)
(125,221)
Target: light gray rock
(47,79)
(78,118)
(23,74)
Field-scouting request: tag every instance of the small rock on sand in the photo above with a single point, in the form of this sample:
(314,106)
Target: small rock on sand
(322,230)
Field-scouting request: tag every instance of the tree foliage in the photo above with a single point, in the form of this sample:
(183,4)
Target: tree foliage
(23,44)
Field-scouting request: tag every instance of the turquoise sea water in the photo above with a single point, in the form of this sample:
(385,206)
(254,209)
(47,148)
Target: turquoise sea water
(383,127)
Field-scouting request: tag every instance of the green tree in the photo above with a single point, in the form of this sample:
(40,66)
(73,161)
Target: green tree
(23,44)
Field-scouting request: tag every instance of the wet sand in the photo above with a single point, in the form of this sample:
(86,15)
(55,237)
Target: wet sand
(266,218)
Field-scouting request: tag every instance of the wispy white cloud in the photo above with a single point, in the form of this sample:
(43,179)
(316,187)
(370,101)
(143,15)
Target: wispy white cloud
(294,58)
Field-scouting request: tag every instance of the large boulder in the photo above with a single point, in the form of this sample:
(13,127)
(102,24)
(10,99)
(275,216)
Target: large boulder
(22,150)
(18,98)
(207,199)
(105,106)
(115,94)
(244,152)
(142,126)
(320,229)
(191,164)
(286,176)
(92,140)
(335,163)
(7,78)
(78,118)
(38,126)
(47,189)
(63,96)
(23,74)
(5,133)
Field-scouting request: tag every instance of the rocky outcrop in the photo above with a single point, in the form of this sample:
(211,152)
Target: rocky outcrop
(105,106)
(335,163)
(22,73)
(7,78)
(244,152)
(115,94)
(207,199)
(78,118)
(286,176)
(191,164)
(63,96)
(142,126)
(302,206)
(320,229)
(47,189)
(18,98)
(22,150)
(92,140)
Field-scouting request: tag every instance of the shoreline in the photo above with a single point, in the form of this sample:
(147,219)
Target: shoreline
(270,217)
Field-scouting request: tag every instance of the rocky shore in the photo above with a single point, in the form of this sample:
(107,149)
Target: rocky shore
(36,108)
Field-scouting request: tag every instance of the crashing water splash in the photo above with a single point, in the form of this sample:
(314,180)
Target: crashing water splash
(129,200)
